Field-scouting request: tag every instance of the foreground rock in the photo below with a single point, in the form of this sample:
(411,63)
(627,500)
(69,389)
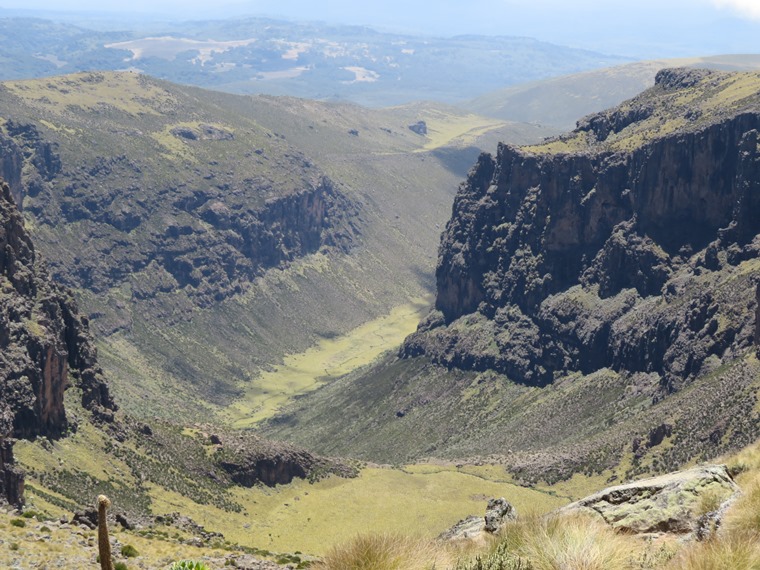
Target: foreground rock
(475,528)
(688,503)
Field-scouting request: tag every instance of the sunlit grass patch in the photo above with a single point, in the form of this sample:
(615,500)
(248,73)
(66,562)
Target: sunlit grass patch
(330,358)
(384,551)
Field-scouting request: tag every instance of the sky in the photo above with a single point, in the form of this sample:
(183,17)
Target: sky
(639,28)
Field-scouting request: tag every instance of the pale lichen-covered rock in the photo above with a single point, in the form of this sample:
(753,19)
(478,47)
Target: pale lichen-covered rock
(681,503)
(475,528)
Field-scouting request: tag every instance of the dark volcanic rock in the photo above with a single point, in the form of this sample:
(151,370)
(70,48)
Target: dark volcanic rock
(250,460)
(24,147)
(420,128)
(554,262)
(44,345)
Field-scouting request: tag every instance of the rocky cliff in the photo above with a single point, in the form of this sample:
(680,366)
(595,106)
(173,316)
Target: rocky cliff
(45,347)
(596,308)
(605,248)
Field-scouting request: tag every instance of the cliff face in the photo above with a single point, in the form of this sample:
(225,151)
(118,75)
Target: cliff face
(606,248)
(44,346)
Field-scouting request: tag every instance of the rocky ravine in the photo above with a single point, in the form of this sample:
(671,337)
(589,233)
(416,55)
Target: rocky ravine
(45,347)
(556,262)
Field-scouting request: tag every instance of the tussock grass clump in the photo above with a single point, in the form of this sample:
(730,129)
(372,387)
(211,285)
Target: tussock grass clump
(744,515)
(129,551)
(739,551)
(577,542)
(384,551)
(572,542)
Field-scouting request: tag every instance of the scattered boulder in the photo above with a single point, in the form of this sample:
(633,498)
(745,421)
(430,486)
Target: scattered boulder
(475,528)
(87,517)
(420,127)
(688,503)
(498,512)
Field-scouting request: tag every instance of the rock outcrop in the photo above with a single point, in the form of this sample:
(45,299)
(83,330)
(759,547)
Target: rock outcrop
(601,249)
(498,513)
(27,160)
(250,461)
(688,503)
(44,346)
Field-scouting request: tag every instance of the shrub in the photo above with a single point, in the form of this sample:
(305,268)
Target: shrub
(382,552)
(21,523)
(120,566)
(499,558)
(13,546)
(129,551)
(188,565)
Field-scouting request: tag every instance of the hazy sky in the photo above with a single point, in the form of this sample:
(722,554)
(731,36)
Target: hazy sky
(636,27)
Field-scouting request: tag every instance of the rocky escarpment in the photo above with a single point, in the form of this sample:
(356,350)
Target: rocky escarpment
(629,244)
(250,460)
(197,235)
(45,346)
(27,160)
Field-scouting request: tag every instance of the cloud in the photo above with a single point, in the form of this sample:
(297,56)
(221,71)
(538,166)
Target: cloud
(747,8)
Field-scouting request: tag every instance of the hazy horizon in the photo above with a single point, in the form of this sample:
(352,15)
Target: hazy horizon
(645,29)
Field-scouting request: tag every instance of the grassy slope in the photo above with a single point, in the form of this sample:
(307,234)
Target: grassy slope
(403,182)
(588,92)
(417,500)
(708,101)
(301,516)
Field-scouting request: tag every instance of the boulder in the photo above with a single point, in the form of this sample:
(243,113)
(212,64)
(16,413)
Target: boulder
(688,503)
(420,128)
(475,528)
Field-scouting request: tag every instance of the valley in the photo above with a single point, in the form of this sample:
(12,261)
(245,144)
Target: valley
(406,277)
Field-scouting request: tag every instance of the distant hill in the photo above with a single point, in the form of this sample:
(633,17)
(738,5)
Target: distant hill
(559,102)
(319,61)
(596,307)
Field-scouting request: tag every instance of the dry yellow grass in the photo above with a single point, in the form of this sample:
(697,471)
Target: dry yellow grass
(577,542)
(739,551)
(384,552)
(744,515)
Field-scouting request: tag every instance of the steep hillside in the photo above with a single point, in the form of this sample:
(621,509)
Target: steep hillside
(590,91)
(45,349)
(208,235)
(596,300)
